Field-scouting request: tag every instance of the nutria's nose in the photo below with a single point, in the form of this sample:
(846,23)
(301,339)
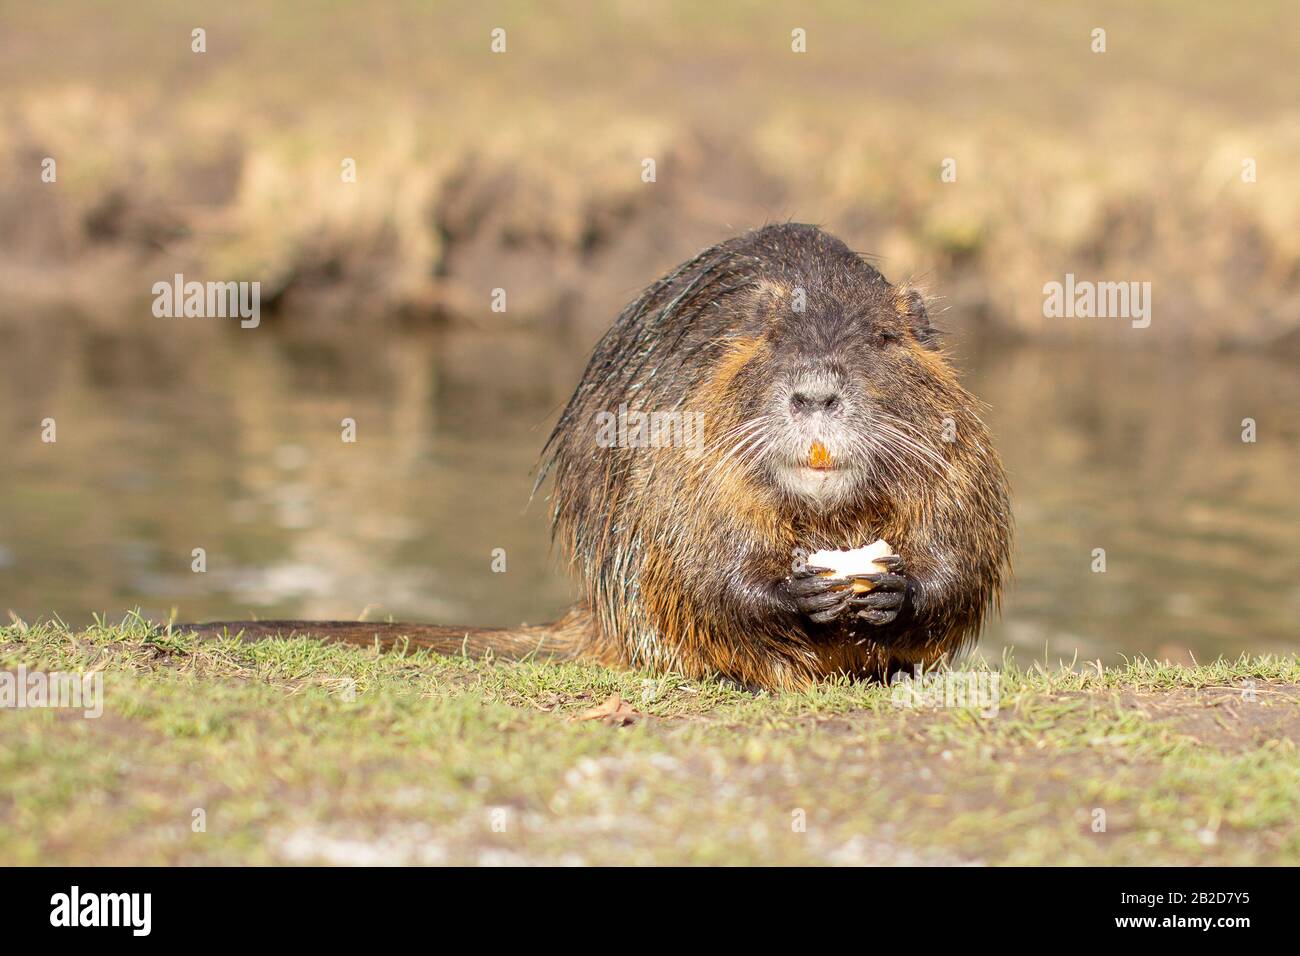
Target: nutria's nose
(805,401)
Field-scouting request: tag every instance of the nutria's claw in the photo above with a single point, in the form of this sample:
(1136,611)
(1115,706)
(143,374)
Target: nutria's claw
(878,607)
(890,562)
(813,585)
(821,599)
(884,581)
(883,602)
(825,607)
(809,572)
(880,600)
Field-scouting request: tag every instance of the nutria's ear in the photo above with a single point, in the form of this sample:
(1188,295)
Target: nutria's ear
(911,306)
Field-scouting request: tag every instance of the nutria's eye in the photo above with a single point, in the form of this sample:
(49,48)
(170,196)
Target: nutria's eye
(887,336)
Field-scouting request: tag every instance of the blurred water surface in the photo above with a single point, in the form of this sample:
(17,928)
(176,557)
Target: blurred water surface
(230,442)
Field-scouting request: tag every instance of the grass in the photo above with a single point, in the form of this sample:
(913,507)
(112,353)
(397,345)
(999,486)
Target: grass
(294,752)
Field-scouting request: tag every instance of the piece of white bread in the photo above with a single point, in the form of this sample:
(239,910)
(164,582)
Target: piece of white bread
(841,564)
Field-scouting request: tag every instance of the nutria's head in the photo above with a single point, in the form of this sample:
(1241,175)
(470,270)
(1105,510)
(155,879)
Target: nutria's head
(837,387)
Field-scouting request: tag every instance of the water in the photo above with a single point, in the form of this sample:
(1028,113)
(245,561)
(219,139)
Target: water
(230,442)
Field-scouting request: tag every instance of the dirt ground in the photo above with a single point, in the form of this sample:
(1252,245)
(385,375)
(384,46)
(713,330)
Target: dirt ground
(290,752)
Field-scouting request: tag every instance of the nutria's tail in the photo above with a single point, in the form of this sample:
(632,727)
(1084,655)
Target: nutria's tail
(564,639)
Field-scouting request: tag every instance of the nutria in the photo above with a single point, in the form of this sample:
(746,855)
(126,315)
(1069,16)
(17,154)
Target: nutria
(830,418)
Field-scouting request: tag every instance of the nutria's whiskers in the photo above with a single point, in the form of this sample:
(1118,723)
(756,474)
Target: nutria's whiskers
(822,384)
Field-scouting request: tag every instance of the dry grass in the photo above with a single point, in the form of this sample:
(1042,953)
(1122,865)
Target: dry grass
(523,170)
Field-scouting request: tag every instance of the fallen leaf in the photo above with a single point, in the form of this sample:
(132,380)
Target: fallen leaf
(614,710)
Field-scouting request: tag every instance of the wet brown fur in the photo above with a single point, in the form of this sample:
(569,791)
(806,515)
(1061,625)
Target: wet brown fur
(680,557)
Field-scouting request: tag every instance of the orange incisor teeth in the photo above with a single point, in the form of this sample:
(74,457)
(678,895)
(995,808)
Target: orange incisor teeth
(819,456)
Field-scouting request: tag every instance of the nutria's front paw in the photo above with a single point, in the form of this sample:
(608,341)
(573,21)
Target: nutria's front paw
(819,598)
(888,593)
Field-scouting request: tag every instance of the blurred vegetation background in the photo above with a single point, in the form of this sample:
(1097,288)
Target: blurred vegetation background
(522,170)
